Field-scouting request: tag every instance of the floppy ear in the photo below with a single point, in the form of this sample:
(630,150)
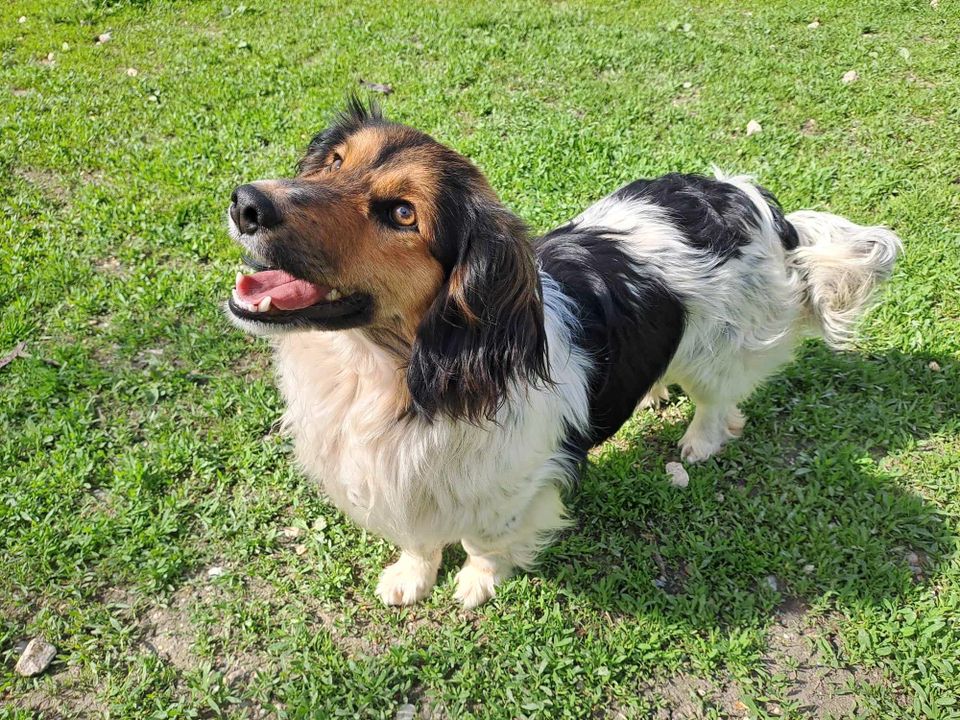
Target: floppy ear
(485,329)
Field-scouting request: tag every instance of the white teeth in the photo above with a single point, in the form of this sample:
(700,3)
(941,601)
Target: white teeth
(265,304)
(333,294)
(239,275)
(251,307)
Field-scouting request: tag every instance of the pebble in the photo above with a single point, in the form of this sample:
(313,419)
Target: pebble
(753,127)
(292,533)
(808,569)
(22,19)
(687,85)
(772,582)
(104,38)
(36,658)
(850,76)
(300,549)
(678,475)
(934,366)
(406,712)
(814,25)
(132,72)
(215,571)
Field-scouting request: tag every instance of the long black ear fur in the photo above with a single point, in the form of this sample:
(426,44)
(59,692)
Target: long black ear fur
(484,332)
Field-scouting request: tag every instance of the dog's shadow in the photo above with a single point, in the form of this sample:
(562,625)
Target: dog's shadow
(813,501)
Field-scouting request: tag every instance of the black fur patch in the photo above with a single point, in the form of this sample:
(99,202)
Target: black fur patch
(485,329)
(713,215)
(631,323)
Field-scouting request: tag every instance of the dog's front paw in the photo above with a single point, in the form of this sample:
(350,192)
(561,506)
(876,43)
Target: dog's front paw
(407,581)
(475,585)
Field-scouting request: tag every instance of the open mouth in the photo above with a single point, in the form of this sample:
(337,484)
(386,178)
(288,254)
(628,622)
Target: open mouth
(274,296)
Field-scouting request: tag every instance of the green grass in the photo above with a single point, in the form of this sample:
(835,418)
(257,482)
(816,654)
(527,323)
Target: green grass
(138,448)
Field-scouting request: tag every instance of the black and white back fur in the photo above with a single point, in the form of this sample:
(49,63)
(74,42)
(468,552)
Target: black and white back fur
(685,280)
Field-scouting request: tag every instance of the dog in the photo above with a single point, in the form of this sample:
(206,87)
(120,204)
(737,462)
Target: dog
(445,374)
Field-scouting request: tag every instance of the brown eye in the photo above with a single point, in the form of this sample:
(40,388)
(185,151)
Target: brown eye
(403,215)
(336,162)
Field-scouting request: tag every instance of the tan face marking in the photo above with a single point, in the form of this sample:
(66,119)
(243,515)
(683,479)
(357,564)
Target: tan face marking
(372,225)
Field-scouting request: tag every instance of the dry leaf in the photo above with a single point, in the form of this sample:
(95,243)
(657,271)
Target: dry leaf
(384,88)
(20,351)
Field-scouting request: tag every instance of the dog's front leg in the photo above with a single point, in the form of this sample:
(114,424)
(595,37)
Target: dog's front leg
(410,578)
(491,560)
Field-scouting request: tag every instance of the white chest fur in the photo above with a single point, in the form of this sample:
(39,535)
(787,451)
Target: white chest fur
(404,478)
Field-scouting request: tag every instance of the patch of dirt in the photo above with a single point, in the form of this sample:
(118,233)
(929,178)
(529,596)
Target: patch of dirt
(169,633)
(810,685)
(64,699)
(690,96)
(48,182)
(818,689)
(110,266)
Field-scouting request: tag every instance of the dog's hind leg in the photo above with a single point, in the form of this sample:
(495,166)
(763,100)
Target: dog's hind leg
(655,397)
(718,386)
(491,560)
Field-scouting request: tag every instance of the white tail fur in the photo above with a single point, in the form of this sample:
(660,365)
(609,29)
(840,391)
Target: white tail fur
(841,264)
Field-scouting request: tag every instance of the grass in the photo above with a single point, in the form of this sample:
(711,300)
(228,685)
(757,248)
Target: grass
(811,570)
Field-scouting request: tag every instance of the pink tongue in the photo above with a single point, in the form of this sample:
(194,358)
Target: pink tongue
(286,292)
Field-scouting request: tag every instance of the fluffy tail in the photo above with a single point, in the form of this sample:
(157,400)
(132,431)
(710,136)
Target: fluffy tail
(840,265)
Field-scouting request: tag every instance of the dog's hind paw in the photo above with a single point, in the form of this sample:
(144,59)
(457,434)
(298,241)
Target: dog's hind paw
(658,395)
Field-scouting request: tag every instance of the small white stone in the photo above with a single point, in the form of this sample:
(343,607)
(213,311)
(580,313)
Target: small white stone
(678,475)
(934,366)
(850,76)
(36,657)
(814,25)
(687,85)
(104,38)
(215,571)
(300,549)
(904,53)
(152,98)
(933,3)
(772,582)
(753,127)
(293,533)
(406,712)
(808,569)
(22,19)
(65,47)
(132,72)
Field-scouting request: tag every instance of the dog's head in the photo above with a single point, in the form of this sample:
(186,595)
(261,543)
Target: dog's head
(385,229)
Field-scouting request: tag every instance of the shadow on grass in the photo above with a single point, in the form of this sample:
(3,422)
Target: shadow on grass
(812,502)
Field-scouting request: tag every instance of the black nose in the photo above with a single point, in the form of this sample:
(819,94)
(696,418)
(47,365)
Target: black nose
(252,209)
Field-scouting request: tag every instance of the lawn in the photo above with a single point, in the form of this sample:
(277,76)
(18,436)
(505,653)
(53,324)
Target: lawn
(152,525)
